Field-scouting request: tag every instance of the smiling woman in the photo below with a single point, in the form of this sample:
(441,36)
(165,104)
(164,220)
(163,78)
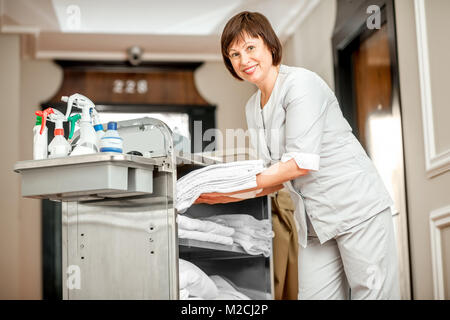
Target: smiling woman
(297,128)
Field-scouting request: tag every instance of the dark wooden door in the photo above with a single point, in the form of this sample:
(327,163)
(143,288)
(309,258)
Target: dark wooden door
(372,79)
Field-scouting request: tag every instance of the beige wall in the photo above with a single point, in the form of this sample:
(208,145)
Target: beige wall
(9,188)
(437,12)
(230,95)
(310,45)
(24,85)
(424,194)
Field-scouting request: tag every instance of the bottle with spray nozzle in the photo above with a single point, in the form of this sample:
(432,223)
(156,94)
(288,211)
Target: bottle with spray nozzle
(87,143)
(59,147)
(98,127)
(72,121)
(40,134)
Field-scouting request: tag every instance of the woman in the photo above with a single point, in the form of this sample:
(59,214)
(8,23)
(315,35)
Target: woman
(343,212)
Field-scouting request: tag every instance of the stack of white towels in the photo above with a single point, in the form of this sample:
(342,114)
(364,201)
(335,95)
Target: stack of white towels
(253,235)
(196,284)
(196,229)
(223,178)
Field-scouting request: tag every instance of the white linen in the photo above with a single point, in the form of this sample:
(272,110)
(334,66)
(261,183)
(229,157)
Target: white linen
(241,221)
(252,245)
(222,178)
(195,281)
(204,236)
(253,235)
(187,223)
(184,294)
(226,289)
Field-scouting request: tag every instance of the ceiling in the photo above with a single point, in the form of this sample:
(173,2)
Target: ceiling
(182,30)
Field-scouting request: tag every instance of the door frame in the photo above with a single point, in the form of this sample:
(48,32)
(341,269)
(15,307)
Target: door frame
(350,31)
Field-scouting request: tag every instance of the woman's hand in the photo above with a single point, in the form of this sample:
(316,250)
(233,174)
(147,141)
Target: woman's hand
(215,198)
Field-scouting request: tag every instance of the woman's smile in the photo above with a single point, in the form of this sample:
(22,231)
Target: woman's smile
(250,70)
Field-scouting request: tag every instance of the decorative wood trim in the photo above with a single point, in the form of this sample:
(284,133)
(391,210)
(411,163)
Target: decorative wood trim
(116,82)
(439,219)
(114,55)
(434,163)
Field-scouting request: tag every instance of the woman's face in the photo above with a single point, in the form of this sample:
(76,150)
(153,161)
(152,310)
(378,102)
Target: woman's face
(251,59)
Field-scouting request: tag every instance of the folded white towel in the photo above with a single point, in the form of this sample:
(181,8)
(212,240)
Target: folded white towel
(222,178)
(195,281)
(256,233)
(258,241)
(241,221)
(253,235)
(253,247)
(204,236)
(187,223)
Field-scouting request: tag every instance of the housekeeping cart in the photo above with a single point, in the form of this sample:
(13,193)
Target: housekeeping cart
(119,230)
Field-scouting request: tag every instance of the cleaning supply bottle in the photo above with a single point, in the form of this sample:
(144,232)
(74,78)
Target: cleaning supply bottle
(98,127)
(44,114)
(88,139)
(72,121)
(59,147)
(40,134)
(111,141)
(40,150)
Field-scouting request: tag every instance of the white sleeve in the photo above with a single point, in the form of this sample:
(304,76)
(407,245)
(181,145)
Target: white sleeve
(306,104)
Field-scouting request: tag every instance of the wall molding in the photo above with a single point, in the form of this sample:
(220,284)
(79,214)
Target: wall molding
(434,163)
(439,219)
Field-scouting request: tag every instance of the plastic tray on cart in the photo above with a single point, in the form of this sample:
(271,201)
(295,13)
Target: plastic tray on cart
(87,177)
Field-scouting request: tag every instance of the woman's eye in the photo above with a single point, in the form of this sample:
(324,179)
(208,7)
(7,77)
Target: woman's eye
(251,47)
(234,55)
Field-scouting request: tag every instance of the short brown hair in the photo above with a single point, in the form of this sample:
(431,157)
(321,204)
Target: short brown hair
(255,25)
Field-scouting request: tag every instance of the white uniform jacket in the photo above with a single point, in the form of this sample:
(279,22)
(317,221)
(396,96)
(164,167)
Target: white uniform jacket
(302,120)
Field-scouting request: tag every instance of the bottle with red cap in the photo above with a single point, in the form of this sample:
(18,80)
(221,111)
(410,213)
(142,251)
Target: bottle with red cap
(40,134)
(59,147)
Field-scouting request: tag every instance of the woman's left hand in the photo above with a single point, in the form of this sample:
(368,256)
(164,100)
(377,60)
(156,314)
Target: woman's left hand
(215,198)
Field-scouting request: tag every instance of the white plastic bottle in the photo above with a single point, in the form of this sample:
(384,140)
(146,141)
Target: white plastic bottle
(111,141)
(88,142)
(98,127)
(40,150)
(59,147)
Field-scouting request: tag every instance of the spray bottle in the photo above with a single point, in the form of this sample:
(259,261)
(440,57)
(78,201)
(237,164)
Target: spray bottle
(98,127)
(88,139)
(40,135)
(59,147)
(72,121)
